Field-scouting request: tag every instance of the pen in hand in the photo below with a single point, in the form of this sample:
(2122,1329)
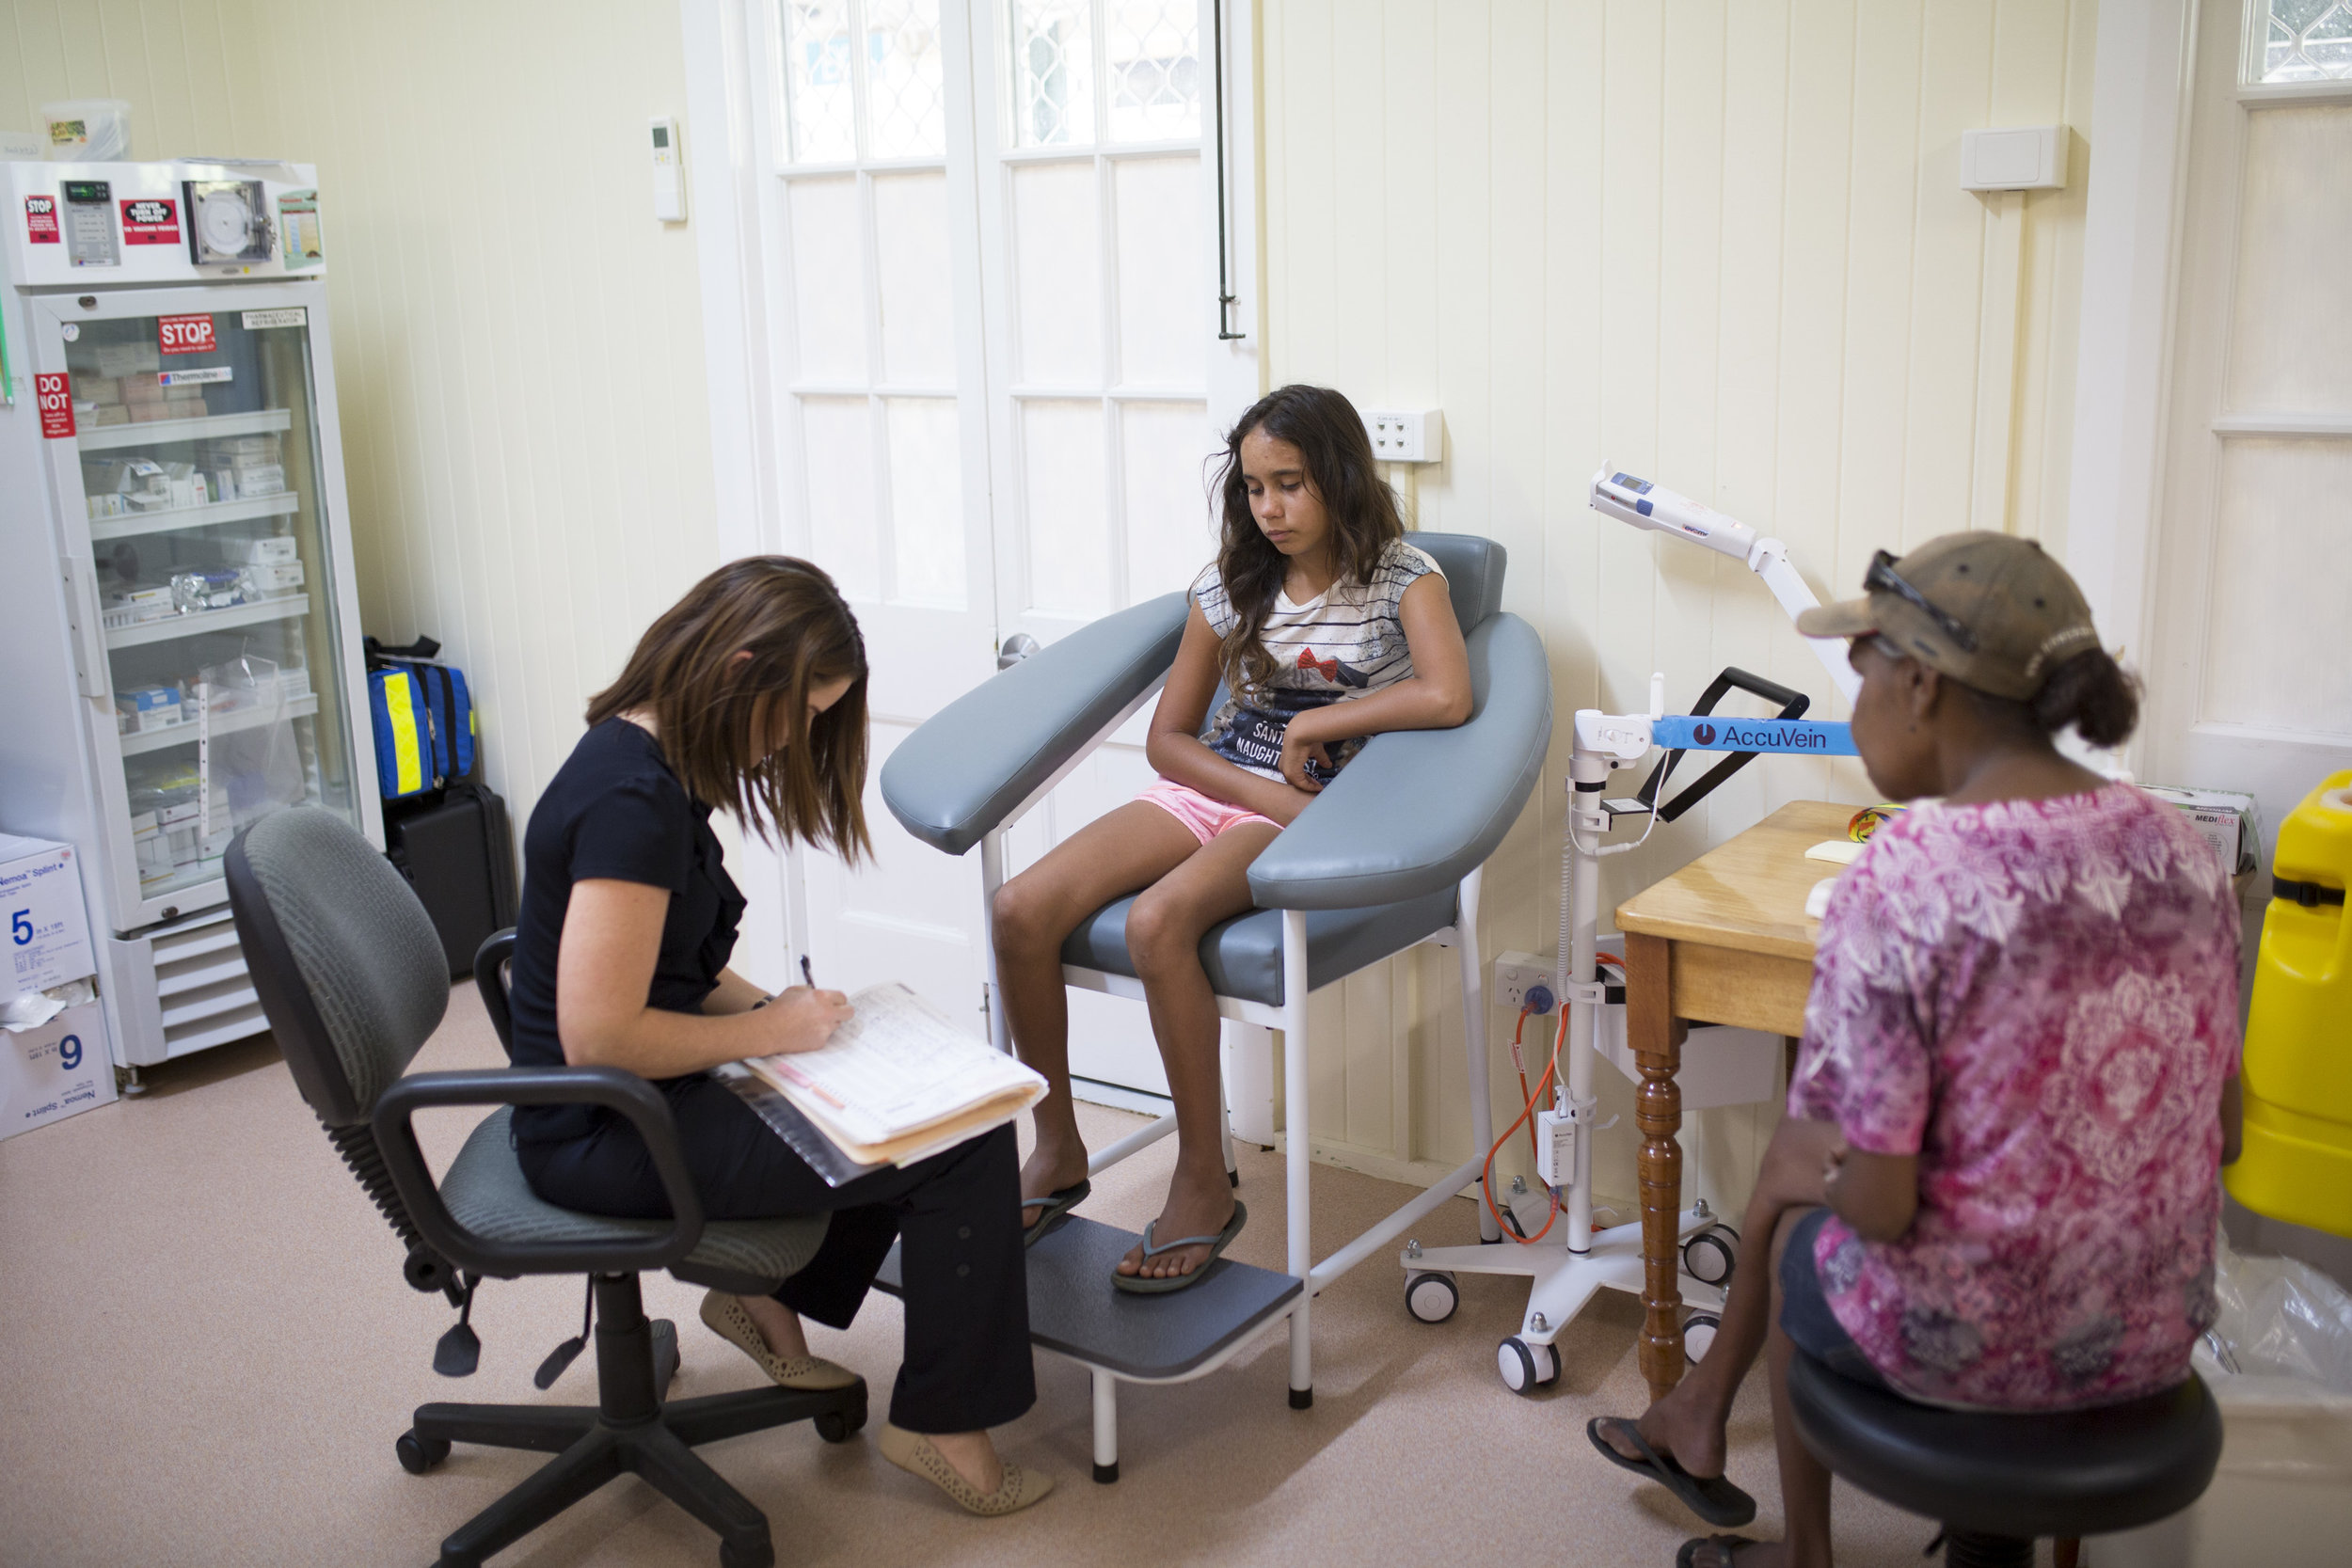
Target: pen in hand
(807,975)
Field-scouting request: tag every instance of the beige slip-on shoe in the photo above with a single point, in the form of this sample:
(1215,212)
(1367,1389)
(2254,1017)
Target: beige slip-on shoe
(727,1317)
(917,1455)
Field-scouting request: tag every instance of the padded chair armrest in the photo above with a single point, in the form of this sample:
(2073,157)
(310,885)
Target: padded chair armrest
(611,1087)
(954,780)
(489,978)
(1417,810)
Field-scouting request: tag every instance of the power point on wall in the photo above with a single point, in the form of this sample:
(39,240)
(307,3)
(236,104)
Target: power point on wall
(1406,436)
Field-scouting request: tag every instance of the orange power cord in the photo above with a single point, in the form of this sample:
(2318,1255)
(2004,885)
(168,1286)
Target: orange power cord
(1526,1116)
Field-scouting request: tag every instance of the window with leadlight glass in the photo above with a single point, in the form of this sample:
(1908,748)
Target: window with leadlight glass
(2300,40)
(862,80)
(1147,52)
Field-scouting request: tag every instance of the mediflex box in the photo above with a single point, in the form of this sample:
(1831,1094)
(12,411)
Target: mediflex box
(2229,821)
(47,929)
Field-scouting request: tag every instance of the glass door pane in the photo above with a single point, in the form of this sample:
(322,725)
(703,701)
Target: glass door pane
(200,472)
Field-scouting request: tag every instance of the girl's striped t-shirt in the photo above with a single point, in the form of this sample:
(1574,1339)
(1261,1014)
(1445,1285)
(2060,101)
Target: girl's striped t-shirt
(1346,642)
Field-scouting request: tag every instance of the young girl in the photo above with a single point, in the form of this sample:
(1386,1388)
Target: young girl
(1997,1185)
(1327,627)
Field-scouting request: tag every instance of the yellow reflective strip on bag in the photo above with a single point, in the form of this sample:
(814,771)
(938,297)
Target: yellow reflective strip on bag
(407,756)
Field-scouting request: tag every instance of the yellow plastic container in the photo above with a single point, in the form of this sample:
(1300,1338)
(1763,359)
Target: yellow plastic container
(2297,1160)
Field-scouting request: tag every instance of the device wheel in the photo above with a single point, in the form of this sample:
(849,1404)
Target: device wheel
(759,1554)
(1432,1297)
(836,1426)
(1698,1336)
(1711,1256)
(419,1454)
(1525,1367)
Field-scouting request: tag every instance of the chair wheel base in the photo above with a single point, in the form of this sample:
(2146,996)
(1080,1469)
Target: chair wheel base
(1302,1399)
(1105,1474)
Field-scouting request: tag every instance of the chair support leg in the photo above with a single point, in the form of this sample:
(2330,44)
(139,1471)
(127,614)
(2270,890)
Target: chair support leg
(579,1470)
(710,1417)
(1474,1036)
(541,1428)
(687,1479)
(1298,1124)
(1105,1426)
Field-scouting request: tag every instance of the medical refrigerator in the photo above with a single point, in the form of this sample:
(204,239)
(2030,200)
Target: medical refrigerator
(178,626)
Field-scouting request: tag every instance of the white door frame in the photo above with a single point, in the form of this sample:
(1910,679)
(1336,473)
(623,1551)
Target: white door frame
(725,120)
(2140,85)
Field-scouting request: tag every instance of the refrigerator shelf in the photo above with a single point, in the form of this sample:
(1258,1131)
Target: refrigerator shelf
(171,626)
(225,724)
(101,529)
(156,433)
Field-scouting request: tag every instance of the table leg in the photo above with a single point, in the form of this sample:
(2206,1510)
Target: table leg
(1656,1036)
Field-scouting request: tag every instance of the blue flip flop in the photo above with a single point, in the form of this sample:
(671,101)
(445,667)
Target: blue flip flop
(1136,1285)
(1057,1206)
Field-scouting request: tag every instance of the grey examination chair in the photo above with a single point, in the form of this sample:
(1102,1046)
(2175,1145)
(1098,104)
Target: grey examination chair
(1387,858)
(354,980)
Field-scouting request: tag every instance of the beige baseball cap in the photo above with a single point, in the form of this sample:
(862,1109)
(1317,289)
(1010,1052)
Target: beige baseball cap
(1991,611)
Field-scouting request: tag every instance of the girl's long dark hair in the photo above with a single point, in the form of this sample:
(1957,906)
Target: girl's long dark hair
(716,714)
(1329,434)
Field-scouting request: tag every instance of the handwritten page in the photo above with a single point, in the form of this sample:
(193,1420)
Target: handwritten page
(902,1068)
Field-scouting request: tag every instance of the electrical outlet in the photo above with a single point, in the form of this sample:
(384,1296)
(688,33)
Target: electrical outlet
(1517,973)
(1406,436)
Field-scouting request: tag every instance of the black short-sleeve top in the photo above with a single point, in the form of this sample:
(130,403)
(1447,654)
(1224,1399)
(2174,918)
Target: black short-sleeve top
(614,809)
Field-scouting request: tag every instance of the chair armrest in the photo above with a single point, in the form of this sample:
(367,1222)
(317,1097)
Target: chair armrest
(1417,810)
(611,1087)
(489,978)
(973,762)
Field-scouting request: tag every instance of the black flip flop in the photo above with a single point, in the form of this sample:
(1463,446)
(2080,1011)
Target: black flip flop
(1713,1499)
(1689,1556)
(1136,1285)
(1057,1206)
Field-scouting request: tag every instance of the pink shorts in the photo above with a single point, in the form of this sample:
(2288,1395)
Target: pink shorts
(1205,817)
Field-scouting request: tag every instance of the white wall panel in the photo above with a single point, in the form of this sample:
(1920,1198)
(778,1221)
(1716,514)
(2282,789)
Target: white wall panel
(918,325)
(2291,345)
(828,277)
(1058,274)
(523,403)
(1718,241)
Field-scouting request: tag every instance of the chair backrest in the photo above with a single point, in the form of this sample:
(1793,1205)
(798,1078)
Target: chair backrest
(1474,566)
(350,972)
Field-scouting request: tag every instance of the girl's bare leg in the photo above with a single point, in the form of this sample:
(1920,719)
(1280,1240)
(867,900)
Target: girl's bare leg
(1164,932)
(1033,914)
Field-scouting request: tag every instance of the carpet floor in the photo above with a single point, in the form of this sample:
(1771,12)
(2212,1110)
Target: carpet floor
(206,1352)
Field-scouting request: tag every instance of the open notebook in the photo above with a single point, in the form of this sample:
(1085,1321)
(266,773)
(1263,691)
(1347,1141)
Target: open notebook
(896,1083)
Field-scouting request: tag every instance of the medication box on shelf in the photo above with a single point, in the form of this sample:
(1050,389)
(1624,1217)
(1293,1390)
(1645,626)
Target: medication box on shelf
(41,908)
(150,707)
(55,1069)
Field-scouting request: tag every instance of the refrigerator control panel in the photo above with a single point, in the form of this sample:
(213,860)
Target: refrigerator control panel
(98,225)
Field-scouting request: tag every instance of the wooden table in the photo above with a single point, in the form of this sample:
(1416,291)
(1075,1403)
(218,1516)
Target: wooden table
(1724,940)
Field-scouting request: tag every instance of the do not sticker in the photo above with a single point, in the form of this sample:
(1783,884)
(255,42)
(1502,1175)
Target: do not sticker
(56,393)
(150,221)
(185,334)
(40,220)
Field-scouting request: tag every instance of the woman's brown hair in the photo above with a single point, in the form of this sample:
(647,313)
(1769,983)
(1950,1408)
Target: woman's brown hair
(1329,435)
(715,715)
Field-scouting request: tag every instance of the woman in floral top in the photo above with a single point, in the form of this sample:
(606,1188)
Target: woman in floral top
(1996,1187)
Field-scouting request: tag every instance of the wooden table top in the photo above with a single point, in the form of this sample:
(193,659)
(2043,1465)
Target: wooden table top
(1748,893)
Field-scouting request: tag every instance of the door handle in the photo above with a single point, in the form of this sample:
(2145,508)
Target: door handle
(1017,647)
(86,622)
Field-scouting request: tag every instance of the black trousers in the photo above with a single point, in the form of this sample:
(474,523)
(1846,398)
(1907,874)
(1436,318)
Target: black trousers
(966,1363)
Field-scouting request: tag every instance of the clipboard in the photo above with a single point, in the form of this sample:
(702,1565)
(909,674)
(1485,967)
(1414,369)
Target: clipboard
(784,1118)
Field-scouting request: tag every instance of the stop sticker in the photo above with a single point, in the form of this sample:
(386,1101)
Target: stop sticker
(185,334)
(55,394)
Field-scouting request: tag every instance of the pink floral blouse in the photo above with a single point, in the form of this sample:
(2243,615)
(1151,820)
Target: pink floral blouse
(2040,999)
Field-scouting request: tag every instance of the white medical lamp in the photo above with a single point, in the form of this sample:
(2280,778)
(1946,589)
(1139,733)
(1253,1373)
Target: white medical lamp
(1566,1273)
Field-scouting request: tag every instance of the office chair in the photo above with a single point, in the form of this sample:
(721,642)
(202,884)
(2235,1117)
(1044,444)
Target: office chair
(1999,1482)
(353,980)
(1388,857)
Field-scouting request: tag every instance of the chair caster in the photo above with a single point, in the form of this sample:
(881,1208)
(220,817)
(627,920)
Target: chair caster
(1432,1297)
(1712,1255)
(836,1426)
(1698,1336)
(1526,1366)
(758,1554)
(419,1454)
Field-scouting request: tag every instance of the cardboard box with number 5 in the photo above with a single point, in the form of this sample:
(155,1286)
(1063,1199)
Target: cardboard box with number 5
(47,937)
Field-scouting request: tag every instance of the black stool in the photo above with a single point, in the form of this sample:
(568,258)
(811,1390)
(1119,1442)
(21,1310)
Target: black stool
(1999,1482)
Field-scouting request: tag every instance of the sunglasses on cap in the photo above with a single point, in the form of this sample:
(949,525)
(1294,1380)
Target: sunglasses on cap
(1881,577)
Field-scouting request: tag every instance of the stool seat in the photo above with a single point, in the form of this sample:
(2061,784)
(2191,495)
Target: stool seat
(2057,1473)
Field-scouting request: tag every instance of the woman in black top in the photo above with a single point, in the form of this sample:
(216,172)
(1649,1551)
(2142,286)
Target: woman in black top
(749,693)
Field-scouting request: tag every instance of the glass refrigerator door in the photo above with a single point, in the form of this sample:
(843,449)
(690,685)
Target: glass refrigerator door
(196,493)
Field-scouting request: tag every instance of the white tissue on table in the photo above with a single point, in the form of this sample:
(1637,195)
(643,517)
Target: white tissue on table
(31,1009)
(1817,902)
